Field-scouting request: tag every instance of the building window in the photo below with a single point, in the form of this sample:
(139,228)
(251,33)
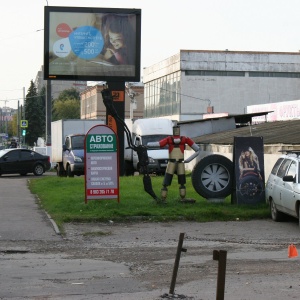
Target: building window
(242,74)
(162,96)
(275,74)
(214,73)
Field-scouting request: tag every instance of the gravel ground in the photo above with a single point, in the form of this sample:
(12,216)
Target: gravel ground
(257,266)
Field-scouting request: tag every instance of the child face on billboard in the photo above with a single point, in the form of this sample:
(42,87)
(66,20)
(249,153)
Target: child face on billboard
(116,39)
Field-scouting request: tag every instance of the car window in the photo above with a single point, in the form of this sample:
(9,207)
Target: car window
(26,155)
(292,171)
(12,155)
(283,168)
(78,142)
(153,138)
(137,141)
(67,143)
(276,166)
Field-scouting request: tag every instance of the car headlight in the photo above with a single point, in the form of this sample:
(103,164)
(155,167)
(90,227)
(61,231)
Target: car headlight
(77,159)
(151,160)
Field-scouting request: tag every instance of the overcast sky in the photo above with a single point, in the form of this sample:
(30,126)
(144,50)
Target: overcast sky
(167,27)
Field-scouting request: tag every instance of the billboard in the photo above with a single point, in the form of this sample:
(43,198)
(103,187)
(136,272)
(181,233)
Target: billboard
(249,178)
(92,44)
(279,111)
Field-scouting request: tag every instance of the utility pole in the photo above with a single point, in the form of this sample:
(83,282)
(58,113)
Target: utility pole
(48,113)
(23,113)
(18,123)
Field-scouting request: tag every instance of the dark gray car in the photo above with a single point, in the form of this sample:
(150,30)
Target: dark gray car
(23,161)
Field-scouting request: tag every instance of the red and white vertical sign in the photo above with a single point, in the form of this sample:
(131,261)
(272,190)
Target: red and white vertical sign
(101,164)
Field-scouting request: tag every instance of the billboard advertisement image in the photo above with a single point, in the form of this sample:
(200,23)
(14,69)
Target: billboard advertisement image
(92,44)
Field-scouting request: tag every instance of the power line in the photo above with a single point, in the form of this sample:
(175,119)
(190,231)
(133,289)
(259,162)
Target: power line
(11,90)
(11,99)
(20,35)
(27,97)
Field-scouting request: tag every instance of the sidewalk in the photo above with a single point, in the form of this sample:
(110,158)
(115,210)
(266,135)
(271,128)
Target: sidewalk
(20,216)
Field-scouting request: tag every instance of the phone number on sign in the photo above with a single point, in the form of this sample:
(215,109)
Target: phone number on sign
(103,191)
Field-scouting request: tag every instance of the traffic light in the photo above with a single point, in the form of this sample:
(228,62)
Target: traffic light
(23,132)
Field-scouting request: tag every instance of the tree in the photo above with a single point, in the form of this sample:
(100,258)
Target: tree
(34,114)
(15,125)
(71,93)
(67,105)
(68,109)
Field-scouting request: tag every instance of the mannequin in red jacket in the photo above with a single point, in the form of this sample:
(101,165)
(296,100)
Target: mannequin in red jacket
(176,162)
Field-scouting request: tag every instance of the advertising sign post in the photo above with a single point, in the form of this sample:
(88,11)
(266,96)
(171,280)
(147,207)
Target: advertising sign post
(101,164)
(249,180)
(94,44)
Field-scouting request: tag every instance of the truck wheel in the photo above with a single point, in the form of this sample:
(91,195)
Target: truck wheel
(212,176)
(129,170)
(69,172)
(59,170)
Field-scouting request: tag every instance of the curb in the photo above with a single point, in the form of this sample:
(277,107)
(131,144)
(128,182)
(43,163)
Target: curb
(55,227)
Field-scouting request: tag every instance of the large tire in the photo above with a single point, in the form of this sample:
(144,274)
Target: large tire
(212,176)
(60,170)
(275,214)
(38,170)
(69,172)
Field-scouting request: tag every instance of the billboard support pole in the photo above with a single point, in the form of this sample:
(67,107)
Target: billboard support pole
(48,113)
(118,94)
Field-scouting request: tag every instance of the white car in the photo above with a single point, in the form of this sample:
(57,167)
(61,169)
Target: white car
(283,186)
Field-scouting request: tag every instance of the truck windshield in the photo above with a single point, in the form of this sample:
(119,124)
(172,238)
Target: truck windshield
(153,138)
(78,142)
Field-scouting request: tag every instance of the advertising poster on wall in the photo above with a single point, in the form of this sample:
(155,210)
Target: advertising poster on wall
(248,160)
(92,43)
(101,164)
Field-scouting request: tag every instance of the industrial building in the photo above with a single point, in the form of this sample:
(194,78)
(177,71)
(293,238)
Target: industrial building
(92,106)
(193,83)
